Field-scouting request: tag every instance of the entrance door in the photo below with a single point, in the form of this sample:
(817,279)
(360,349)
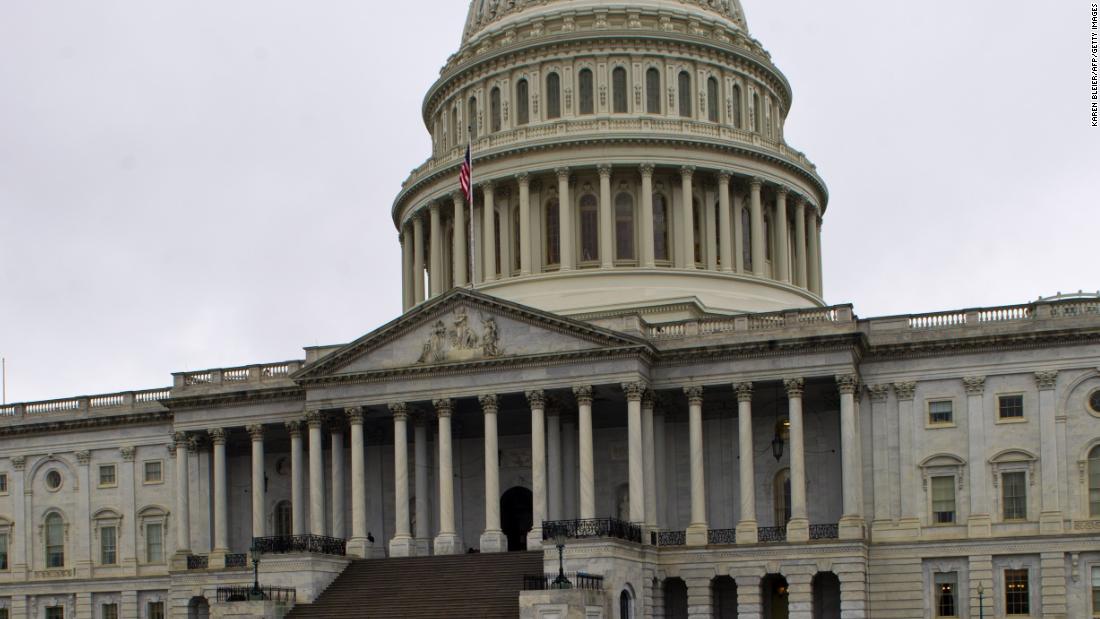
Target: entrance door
(774,591)
(515,517)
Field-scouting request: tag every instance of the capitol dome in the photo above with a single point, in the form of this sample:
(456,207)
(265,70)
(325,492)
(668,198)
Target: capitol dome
(627,158)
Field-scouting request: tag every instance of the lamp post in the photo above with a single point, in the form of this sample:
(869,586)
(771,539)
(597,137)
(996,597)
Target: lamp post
(561,582)
(256,594)
(981,601)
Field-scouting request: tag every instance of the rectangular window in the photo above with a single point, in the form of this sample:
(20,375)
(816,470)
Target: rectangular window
(943,500)
(154,543)
(947,585)
(109,611)
(3,613)
(1017,600)
(108,545)
(1096,591)
(107,475)
(1014,493)
(154,473)
(940,412)
(3,483)
(3,551)
(156,610)
(55,612)
(1010,407)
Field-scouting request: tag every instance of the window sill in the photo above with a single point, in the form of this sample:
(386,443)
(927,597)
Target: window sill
(1011,420)
(939,426)
(152,483)
(101,486)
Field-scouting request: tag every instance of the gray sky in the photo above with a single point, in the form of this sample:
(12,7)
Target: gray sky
(201,184)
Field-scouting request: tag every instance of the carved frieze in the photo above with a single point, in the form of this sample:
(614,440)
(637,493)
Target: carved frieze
(461,341)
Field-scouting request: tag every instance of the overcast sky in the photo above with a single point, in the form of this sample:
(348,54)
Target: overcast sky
(199,184)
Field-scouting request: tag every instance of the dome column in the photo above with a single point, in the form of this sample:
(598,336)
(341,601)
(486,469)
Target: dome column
(800,243)
(418,258)
(687,223)
(606,220)
(738,233)
(435,272)
(488,233)
(565,222)
(724,227)
(782,237)
(813,251)
(647,256)
(756,224)
(524,249)
(407,294)
(460,262)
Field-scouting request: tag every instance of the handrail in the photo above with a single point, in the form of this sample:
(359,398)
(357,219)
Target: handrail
(248,593)
(282,544)
(591,528)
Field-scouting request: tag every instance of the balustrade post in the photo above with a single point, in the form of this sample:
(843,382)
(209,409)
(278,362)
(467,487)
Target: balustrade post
(746,525)
(447,541)
(401,544)
(697,529)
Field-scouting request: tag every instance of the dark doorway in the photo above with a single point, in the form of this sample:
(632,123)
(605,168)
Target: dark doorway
(774,591)
(198,608)
(724,597)
(515,517)
(826,588)
(676,599)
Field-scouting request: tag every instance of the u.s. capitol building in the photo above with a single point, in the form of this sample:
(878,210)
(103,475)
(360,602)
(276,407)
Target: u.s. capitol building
(623,346)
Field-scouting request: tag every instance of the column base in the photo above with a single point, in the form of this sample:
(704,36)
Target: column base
(851,527)
(904,530)
(401,546)
(422,546)
(216,561)
(179,559)
(979,525)
(696,534)
(1051,523)
(534,539)
(448,544)
(746,532)
(798,530)
(363,548)
(493,541)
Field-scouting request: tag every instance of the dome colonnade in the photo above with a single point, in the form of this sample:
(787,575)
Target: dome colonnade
(660,126)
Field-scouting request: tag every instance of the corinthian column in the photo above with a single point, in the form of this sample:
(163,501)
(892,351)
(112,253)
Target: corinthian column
(435,272)
(650,464)
(635,464)
(1050,519)
(339,488)
(418,258)
(746,525)
(697,529)
(800,243)
(980,522)
(725,226)
(798,529)
(316,474)
(687,222)
(524,223)
(851,522)
(422,536)
(813,251)
(358,544)
(401,544)
(756,226)
(460,262)
(221,494)
(408,296)
(782,272)
(537,400)
(565,221)
(647,251)
(492,539)
(607,248)
(256,432)
(584,447)
(183,495)
(297,487)
(446,542)
(488,232)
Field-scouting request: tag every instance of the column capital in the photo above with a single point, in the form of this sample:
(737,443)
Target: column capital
(443,407)
(400,411)
(127,454)
(647,169)
(563,173)
(83,457)
(782,190)
(256,432)
(523,178)
(354,414)
(314,419)
(634,390)
(904,390)
(433,206)
(744,391)
(794,387)
(536,398)
(649,399)
(193,443)
(180,439)
(694,394)
(487,186)
(604,169)
(687,171)
(975,385)
(1046,379)
(488,402)
(756,183)
(879,393)
(217,435)
(583,393)
(847,383)
(457,197)
(723,177)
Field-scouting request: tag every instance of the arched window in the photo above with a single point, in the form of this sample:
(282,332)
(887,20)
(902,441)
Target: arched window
(684,83)
(653,91)
(746,239)
(676,599)
(494,108)
(768,118)
(697,230)
(782,493)
(454,126)
(660,227)
(553,253)
(736,106)
(626,605)
(522,96)
(590,231)
(624,226)
(584,81)
(553,95)
(712,100)
(756,112)
(283,519)
(723,590)
(618,90)
(471,117)
(55,540)
(1094,482)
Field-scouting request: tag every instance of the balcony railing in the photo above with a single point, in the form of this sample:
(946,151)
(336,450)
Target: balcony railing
(236,560)
(722,536)
(579,580)
(824,531)
(771,534)
(246,593)
(590,528)
(282,544)
(198,562)
(667,538)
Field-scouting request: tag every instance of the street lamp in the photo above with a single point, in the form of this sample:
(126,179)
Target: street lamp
(561,582)
(981,601)
(256,594)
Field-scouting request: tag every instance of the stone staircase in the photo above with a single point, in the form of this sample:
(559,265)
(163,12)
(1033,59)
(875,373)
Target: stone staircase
(471,585)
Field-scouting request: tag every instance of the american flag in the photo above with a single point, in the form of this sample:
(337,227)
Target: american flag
(464,176)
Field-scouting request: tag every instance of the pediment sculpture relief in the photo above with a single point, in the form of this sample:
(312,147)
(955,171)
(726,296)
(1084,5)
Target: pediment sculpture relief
(461,341)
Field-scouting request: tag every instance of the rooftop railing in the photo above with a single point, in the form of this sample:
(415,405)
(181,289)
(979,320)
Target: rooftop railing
(109,403)
(745,323)
(237,376)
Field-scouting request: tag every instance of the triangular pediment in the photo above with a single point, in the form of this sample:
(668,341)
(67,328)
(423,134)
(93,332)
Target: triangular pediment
(466,327)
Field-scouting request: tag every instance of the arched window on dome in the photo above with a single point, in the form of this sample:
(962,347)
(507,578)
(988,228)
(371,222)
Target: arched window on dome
(1094,482)
(756,112)
(553,95)
(454,127)
(735,100)
(590,231)
(653,91)
(781,493)
(522,104)
(712,100)
(553,238)
(471,117)
(624,227)
(494,110)
(746,239)
(584,83)
(618,90)
(684,85)
(660,227)
(768,118)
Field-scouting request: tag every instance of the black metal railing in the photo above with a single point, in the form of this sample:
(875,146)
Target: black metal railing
(236,560)
(579,580)
(281,544)
(198,562)
(824,531)
(722,536)
(771,534)
(667,538)
(246,593)
(592,527)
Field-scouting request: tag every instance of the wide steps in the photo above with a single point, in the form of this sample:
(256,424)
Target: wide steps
(470,585)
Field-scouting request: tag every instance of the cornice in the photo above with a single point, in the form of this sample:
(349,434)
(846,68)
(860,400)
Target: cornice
(86,423)
(251,396)
(983,343)
(854,343)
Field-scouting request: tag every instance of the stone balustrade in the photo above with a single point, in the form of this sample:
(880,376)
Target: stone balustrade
(85,406)
(235,377)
